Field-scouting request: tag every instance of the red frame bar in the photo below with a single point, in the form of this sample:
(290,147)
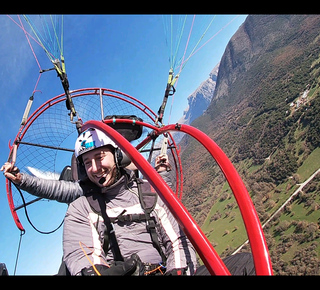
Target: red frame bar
(11,205)
(198,239)
(250,217)
(189,226)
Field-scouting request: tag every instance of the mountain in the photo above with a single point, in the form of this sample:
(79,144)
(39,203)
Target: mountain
(264,114)
(200,99)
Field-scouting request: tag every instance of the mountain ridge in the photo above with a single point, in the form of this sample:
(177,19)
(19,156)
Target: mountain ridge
(261,120)
(200,99)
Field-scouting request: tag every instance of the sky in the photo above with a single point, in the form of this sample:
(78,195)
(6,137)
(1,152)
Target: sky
(127,53)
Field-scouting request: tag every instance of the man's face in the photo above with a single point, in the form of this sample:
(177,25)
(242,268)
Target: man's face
(100,166)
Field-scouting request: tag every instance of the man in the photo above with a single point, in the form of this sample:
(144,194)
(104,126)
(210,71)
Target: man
(124,246)
(89,246)
(85,247)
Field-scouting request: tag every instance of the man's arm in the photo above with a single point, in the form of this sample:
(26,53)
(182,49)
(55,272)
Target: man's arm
(82,245)
(181,255)
(59,190)
(163,167)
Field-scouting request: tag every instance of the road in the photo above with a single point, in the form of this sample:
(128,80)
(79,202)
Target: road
(301,186)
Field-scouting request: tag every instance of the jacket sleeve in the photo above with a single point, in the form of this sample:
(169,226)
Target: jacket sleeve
(167,177)
(179,251)
(59,190)
(82,245)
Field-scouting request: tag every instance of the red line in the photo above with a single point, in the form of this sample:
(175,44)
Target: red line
(26,34)
(187,44)
(22,29)
(35,87)
(36,41)
(213,36)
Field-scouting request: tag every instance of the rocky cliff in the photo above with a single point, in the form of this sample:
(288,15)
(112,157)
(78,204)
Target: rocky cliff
(200,99)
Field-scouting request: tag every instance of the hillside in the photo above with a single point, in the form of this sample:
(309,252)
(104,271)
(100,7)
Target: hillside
(264,115)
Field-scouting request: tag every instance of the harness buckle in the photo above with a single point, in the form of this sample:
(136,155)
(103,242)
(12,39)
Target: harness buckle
(112,228)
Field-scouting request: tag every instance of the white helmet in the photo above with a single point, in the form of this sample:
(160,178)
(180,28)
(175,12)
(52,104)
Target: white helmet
(91,139)
(94,138)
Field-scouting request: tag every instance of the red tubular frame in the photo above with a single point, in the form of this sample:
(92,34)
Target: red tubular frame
(250,217)
(189,226)
(55,100)
(11,205)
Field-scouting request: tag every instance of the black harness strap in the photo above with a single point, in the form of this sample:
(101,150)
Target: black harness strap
(129,218)
(110,231)
(99,205)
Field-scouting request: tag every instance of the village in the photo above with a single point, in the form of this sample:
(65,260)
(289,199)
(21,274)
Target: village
(302,100)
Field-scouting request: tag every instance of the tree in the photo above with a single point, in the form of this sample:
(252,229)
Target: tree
(283,165)
(271,204)
(301,226)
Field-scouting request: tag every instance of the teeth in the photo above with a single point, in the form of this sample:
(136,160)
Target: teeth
(104,174)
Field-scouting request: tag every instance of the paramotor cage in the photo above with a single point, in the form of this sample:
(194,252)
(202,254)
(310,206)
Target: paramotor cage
(45,143)
(135,152)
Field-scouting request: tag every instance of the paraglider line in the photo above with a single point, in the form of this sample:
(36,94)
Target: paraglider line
(26,34)
(18,252)
(213,36)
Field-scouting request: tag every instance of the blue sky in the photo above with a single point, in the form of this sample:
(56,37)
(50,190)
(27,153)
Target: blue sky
(128,53)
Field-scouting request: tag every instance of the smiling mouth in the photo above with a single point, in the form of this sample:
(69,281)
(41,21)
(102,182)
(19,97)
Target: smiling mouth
(102,178)
(102,175)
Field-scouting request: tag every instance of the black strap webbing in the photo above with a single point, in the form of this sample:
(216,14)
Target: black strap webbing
(109,234)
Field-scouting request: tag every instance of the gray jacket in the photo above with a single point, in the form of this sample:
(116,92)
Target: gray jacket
(83,228)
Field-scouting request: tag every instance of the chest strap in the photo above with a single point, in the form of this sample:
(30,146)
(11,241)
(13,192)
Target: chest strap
(129,218)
